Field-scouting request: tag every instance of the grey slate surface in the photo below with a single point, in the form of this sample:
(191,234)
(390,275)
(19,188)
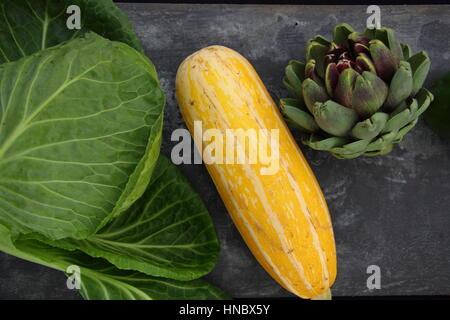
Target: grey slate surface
(391,211)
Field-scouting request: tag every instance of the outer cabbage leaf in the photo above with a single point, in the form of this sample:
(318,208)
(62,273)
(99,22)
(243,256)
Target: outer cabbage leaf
(166,233)
(80,132)
(27,26)
(437,115)
(102,281)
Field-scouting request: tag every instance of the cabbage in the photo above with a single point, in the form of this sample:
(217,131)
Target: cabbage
(81,179)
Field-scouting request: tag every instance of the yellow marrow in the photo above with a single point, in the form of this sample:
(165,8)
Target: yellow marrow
(283,217)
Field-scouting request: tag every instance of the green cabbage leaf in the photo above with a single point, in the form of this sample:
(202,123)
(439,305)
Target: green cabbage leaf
(81,178)
(166,233)
(80,133)
(100,280)
(28,26)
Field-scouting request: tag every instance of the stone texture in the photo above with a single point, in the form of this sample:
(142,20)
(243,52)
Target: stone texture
(391,211)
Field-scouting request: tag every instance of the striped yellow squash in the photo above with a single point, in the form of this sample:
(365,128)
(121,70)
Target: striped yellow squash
(282,217)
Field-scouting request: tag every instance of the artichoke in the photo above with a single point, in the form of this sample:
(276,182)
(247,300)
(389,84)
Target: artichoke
(357,95)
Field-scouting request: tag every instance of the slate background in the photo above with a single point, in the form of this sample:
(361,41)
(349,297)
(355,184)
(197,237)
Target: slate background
(391,211)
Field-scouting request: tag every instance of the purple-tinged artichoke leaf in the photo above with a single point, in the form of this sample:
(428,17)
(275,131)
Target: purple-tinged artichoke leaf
(371,127)
(400,87)
(310,69)
(344,90)
(420,65)
(330,58)
(387,36)
(385,62)
(359,48)
(358,37)
(311,72)
(312,93)
(345,64)
(331,78)
(365,63)
(336,49)
(369,94)
(334,118)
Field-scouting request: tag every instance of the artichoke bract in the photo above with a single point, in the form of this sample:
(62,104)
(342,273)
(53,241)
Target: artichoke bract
(358,94)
